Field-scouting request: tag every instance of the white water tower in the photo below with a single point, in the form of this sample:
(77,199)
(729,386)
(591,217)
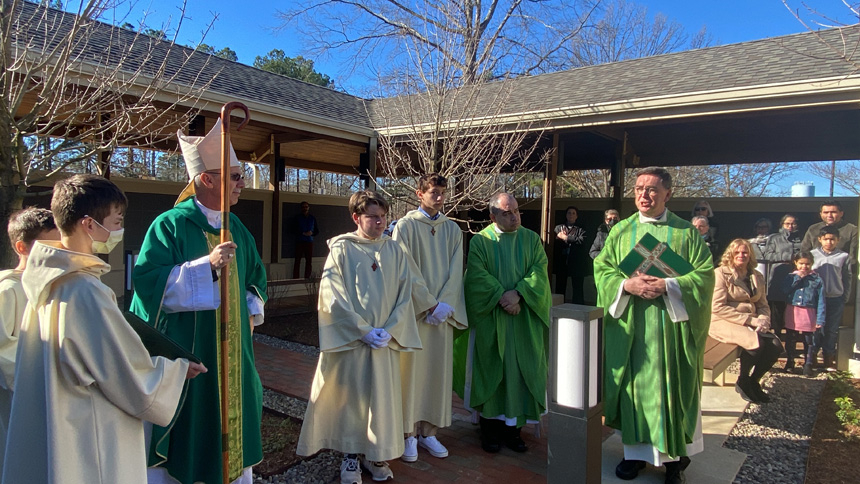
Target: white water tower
(803,189)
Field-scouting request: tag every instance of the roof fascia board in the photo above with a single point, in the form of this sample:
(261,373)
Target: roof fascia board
(288,118)
(718,101)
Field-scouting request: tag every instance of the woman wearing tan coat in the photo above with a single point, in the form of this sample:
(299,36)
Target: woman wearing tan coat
(740,315)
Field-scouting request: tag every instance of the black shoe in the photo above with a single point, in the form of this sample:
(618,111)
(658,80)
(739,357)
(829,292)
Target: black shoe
(629,469)
(675,475)
(744,388)
(516,444)
(759,393)
(675,471)
(491,447)
(513,440)
(491,435)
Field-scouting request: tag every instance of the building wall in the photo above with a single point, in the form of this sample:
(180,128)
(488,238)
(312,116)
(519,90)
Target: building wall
(148,198)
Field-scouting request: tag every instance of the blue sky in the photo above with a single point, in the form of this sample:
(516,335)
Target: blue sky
(250,28)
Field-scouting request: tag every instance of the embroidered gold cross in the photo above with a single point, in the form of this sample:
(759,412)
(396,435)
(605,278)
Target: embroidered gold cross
(652,258)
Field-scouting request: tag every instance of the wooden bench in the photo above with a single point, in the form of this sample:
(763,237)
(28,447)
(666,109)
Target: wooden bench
(718,357)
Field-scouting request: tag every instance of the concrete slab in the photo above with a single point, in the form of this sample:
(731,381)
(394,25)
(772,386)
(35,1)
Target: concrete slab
(716,465)
(721,409)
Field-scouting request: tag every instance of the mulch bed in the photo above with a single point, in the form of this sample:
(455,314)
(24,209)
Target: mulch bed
(833,448)
(299,328)
(280,433)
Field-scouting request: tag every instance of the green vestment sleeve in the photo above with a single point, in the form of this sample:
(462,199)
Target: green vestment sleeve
(192,441)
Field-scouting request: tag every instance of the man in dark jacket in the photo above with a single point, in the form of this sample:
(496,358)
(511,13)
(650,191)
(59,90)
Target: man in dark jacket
(573,261)
(831,214)
(306,229)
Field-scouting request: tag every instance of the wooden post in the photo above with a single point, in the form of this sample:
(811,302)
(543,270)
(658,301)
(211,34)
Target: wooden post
(546,203)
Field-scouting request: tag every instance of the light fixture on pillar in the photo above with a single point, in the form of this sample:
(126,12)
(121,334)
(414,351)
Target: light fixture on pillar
(574,389)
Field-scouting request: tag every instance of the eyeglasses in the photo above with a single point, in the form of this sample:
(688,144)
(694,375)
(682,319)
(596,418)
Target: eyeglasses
(701,209)
(652,191)
(233,176)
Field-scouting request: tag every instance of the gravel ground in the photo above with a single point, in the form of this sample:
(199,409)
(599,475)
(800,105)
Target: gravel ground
(294,407)
(320,469)
(776,436)
(287,345)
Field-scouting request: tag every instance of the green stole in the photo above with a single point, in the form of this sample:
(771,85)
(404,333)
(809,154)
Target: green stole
(234,361)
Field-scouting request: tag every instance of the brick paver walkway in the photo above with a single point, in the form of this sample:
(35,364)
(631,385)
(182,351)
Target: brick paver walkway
(291,373)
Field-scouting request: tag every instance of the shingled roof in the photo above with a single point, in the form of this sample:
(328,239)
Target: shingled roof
(779,60)
(108,45)
(774,61)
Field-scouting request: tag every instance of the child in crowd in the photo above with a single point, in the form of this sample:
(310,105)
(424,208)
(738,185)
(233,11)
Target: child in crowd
(834,267)
(366,320)
(84,382)
(805,313)
(25,227)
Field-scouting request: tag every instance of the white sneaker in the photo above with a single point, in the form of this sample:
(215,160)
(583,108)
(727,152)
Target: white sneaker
(410,454)
(350,472)
(378,470)
(433,446)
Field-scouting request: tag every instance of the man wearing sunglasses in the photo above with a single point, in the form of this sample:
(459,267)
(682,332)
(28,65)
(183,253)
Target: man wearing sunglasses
(177,281)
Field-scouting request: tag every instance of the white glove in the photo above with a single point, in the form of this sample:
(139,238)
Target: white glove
(431,320)
(442,312)
(376,338)
(382,337)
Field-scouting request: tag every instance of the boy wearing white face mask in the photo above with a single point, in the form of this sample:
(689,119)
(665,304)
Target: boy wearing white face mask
(84,381)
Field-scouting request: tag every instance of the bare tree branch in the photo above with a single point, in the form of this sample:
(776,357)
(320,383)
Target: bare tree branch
(74,88)
(846,175)
(482,40)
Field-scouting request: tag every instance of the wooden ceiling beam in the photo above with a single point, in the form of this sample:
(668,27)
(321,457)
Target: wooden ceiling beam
(318,166)
(293,137)
(263,151)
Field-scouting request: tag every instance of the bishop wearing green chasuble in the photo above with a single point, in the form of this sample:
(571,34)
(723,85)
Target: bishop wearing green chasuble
(176,289)
(500,365)
(655,331)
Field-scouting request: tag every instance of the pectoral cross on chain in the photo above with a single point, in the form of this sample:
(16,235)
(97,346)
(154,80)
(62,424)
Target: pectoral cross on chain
(433,231)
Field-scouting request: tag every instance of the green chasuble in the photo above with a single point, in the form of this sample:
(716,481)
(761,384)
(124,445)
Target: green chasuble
(190,447)
(500,365)
(653,366)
